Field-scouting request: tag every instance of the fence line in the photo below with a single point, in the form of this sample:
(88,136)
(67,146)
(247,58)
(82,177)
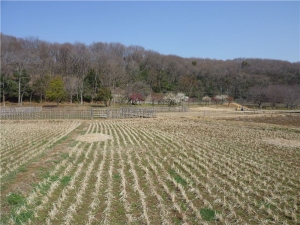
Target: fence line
(55,114)
(14,110)
(36,113)
(271,111)
(123,113)
(171,109)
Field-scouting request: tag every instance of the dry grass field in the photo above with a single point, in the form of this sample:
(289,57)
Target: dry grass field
(199,167)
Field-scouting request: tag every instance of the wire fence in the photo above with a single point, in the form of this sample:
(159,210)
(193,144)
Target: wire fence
(37,113)
(18,110)
(53,114)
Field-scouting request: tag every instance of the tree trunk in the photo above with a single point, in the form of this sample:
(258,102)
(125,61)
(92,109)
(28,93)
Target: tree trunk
(3,99)
(21,99)
(81,97)
(19,94)
(30,98)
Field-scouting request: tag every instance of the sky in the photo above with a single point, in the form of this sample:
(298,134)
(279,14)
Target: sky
(202,29)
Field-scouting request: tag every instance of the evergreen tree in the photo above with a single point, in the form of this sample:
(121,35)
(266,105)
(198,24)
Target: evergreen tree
(56,90)
(91,85)
(104,94)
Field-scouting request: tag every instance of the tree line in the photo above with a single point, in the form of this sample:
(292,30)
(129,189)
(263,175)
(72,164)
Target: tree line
(92,72)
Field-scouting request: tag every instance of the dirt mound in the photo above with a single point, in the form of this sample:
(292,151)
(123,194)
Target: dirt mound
(94,137)
(235,105)
(283,142)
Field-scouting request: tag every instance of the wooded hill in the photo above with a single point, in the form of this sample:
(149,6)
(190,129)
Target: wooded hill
(29,64)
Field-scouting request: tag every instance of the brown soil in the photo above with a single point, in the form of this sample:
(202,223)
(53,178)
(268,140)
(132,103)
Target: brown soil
(229,114)
(292,120)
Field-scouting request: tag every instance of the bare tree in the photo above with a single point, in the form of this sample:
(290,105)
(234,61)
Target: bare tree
(230,99)
(291,96)
(258,95)
(71,83)
(116,65)
(80,65)
(64,59)
(139,88)
(157,97)
(19,61)
(189,84)
(275,94)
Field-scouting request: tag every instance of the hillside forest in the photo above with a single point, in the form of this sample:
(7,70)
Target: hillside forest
(31,69)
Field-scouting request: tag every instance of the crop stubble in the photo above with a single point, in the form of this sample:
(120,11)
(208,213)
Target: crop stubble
(154,171)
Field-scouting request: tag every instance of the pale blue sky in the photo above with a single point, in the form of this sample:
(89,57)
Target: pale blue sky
(216,30)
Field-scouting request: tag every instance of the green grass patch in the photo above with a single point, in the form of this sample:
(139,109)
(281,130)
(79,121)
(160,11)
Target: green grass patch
(44,188)
(65,180)
(117,176)
(23,169)
(134,205)
(208,214)
(183,206)
(12,175)
(23,217)
(64,155)
(177,178)
(15,199)
(54,178)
